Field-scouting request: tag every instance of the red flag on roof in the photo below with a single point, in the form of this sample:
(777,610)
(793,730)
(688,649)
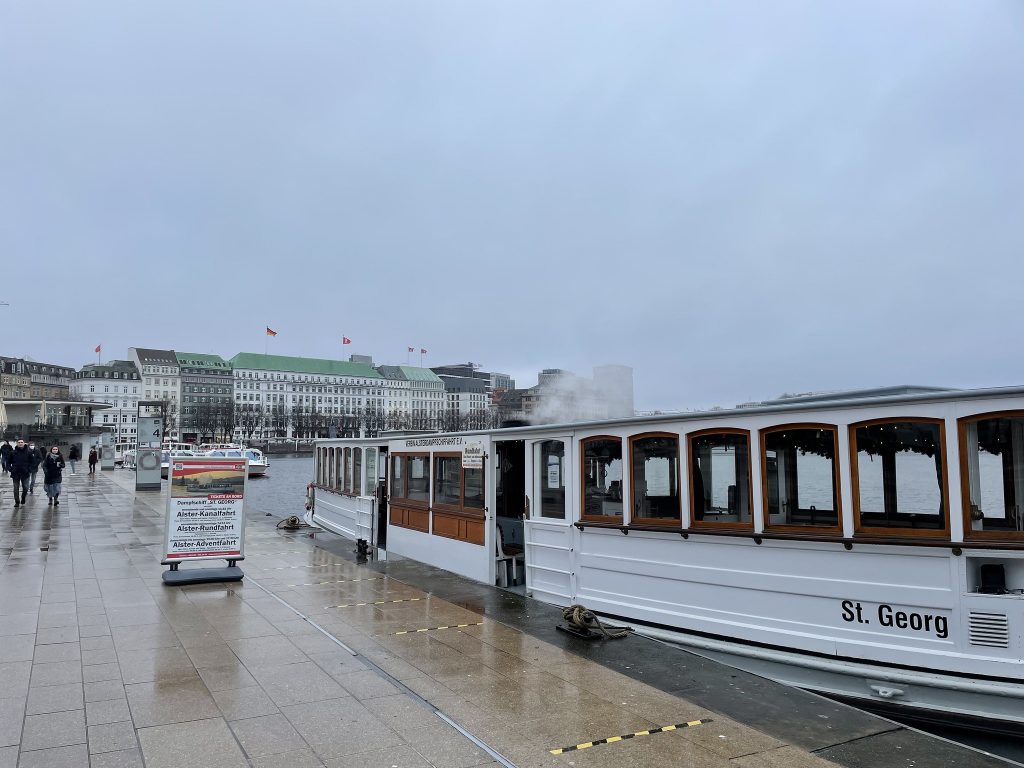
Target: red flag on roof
(271,332)
(423,351)
(412,349)
(346,340)
(97,351)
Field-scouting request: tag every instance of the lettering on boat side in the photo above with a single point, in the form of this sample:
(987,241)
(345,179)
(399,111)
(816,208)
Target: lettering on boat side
(887,616)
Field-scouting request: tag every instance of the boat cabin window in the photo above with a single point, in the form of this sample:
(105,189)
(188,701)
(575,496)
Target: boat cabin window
(336,468)
(720,478)
(799,477)
(898,476)
(448,480)
(417,472)
(397,477)
(654,460)
(992,474)
(455,488)
(410,478)
(346,484)
(602,479)
(550,458)
(357,468)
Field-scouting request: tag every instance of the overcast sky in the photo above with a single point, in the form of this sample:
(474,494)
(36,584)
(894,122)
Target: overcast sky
(738,199)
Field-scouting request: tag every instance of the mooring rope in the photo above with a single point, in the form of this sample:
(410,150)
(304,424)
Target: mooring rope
(583,618)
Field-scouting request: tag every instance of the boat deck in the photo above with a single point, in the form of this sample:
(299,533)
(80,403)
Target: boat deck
(317,660)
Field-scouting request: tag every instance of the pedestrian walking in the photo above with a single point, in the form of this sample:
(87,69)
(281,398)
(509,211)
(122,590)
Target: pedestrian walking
(93,458)
(52,468)
(74,455)
(20,463)
(35,460)
(5,453)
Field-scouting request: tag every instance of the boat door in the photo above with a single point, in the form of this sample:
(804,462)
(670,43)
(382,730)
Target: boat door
(550,497)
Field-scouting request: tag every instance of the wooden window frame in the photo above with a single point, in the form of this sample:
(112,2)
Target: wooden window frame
(608,519)
(460,508)
(711,525)
(868,530)
(826,531)
(676,522)
(965,483)
(404,499)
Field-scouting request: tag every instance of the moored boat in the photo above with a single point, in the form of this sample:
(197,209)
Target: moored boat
(258,464)
(868,545)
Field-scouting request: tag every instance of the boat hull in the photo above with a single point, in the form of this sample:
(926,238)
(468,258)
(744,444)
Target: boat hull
(931,697)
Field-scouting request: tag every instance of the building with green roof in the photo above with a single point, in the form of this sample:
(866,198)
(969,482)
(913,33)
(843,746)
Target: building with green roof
(301,396)
(311,366)
(207,390)
(420,392)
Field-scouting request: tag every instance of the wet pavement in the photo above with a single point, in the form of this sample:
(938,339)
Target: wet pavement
(315,660)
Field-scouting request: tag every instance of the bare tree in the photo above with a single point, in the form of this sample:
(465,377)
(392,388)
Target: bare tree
(249,417)
(224,417)
(204,421)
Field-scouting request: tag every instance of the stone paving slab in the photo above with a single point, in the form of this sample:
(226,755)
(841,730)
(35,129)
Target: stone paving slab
(103,665)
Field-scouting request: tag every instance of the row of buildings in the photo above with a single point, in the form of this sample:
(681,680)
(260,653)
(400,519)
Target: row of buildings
(260,396)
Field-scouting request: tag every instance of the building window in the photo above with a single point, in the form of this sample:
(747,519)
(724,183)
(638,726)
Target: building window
(720,478)
(654,479)
(602,479)
(899,483)
(992,474)
(800,476)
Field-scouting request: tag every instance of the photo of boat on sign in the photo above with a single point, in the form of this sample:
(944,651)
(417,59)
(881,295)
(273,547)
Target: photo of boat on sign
(198,480)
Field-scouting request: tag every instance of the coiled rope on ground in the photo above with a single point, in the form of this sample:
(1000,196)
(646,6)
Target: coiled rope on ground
(583,618)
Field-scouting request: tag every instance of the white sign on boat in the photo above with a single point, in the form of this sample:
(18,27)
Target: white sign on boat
(473,455)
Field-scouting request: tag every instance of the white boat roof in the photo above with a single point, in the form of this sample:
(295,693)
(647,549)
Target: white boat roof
(860,398)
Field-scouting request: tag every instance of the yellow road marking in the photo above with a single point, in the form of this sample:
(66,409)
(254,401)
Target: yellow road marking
(626,736)
(377,602)
(434,629)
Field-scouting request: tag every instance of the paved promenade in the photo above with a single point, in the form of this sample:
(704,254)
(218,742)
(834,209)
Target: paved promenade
(103,666)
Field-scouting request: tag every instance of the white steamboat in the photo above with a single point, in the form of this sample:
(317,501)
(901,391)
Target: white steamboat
(867,545)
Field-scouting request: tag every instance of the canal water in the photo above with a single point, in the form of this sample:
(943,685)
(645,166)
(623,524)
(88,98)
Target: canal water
(282,492)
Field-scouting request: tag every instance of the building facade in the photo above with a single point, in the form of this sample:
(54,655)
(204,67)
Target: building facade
(418,393)
(299,397)
(160,381)
(24,379)
(116,384)
(206,404)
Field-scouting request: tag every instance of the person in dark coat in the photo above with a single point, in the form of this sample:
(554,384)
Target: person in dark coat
(37,459)
(20,464)
(5,453)
(74,455)
(53,466)
(93,458)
